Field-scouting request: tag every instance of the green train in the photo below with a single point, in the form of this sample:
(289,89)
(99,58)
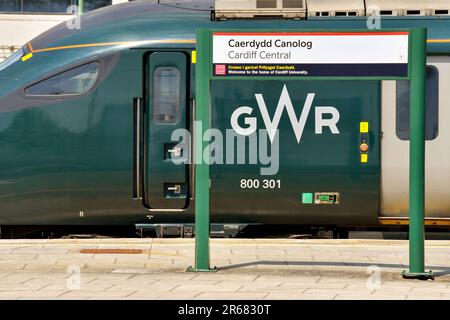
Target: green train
(88,109)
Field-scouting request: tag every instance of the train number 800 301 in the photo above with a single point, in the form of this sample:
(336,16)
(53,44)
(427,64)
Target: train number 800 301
(257,183)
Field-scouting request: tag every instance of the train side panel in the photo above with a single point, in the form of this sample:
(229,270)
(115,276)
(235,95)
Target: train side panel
(68,160)
(312,159)
(395,152)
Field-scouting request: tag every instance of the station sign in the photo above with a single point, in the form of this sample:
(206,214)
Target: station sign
(310,54)
(247,55)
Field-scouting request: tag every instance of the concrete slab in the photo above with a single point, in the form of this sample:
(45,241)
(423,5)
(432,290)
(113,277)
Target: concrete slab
(248,269)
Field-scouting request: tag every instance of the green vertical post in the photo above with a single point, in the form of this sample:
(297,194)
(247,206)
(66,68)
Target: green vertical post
(417,157)
(201,161)
(80,6)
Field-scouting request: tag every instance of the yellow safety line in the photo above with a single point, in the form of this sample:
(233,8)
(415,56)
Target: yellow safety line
(438,40)
(405,221)
(116,43)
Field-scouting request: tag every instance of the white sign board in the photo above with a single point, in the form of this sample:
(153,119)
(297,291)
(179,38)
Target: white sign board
(310,53)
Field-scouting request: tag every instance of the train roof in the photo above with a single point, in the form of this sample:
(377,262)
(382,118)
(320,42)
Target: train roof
(172,24)
(138,23)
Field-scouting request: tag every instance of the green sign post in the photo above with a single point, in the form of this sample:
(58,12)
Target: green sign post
(403,57)
(202,181)
(417,158)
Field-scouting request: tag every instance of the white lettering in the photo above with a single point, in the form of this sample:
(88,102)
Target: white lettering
(250,121)
(330,123)
(285,102)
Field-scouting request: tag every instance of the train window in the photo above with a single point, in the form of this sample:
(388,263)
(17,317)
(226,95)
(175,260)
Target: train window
(431,106)
(166,95)
(71,82)
(10,6)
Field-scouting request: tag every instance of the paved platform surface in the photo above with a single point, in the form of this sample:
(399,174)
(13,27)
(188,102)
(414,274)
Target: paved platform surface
(248,269)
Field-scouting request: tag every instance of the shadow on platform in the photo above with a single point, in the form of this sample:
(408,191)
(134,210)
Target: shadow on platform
(437,270)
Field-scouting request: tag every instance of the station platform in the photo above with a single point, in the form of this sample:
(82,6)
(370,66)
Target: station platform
(248,269)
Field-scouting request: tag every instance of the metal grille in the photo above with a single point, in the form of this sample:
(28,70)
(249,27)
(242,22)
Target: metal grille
(6,51)
(263,4)
(292,4)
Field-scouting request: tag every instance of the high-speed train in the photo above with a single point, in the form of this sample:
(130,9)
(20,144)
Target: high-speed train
(88,110)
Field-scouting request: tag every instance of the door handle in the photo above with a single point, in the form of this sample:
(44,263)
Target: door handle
(176,152)
(176,188)
(191,153)
(137,146)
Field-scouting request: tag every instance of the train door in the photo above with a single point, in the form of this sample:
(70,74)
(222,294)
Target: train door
(166,107)
(395,148)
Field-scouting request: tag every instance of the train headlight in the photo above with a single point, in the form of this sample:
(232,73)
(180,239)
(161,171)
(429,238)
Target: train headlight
(364,147)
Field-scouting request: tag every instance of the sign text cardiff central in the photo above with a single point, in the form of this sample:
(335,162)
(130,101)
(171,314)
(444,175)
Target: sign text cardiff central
(310,54)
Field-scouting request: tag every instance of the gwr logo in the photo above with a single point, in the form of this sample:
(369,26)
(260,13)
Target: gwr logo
(298,125)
